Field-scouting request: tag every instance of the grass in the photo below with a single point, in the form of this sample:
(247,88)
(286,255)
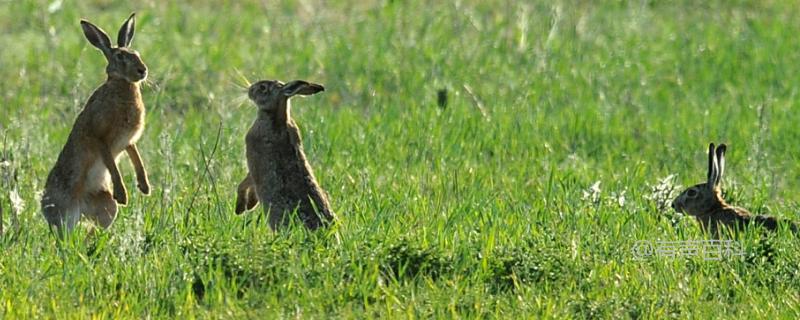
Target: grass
(484,208)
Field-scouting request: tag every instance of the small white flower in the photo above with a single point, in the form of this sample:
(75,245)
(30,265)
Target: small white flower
(618,198)
(592,194)
(17,204)
(663,192)
(55,6)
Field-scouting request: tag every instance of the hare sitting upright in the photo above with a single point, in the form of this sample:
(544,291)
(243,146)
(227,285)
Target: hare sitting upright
(111,122)
(279,175)
(704,201)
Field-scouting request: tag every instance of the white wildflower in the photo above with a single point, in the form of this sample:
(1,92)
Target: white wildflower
(618,198)
(17,204)
(663,192)
(592,194)
(55,6)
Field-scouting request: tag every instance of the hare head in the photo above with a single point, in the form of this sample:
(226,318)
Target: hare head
(123,62)
(703,198)
(272,95)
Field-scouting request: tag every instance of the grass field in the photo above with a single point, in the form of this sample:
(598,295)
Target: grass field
(489,207)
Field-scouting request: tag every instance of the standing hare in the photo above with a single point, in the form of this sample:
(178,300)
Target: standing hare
(279,175)
(111,122)
(704,201)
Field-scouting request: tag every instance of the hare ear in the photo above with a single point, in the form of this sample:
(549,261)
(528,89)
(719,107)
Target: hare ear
(125,35)
(302,88)
(712,167)
(96,36)
(720,162)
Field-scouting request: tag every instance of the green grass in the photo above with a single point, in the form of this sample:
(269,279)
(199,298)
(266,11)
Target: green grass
(481,209)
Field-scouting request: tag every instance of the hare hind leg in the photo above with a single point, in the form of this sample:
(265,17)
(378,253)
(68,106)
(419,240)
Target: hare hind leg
(246,197)
(101,208)
(63,214)
(278,215)
(314,218)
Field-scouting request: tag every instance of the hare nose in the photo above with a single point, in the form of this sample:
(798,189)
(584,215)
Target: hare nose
(141,71)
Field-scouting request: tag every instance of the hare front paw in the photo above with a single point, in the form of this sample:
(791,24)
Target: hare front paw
(121,196)
(144,187)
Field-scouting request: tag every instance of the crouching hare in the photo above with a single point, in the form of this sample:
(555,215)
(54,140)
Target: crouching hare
(704,201)
(279,175)
(111,122)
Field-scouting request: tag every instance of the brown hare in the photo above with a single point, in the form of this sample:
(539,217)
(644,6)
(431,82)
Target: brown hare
(111,122)
(704,201)
(279,175)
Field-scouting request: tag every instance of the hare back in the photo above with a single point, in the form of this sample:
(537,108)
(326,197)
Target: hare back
(772,223)
(284,185)
(727,215)
(277,160)
(740,219)
(283,178)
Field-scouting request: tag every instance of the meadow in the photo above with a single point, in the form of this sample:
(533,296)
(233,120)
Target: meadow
(569,127)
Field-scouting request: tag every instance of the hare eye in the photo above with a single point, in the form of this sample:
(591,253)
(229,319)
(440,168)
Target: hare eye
(692,193)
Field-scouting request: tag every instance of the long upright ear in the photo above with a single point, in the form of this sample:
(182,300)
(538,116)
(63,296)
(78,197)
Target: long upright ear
(125,35)
(720,162)
(712,167)
(96,36)
(301,87)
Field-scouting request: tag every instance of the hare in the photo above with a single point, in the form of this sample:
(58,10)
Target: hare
(111,122)
(704,201)
(279,175)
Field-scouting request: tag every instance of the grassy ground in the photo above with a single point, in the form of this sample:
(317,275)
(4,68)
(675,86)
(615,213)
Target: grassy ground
(484,208)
